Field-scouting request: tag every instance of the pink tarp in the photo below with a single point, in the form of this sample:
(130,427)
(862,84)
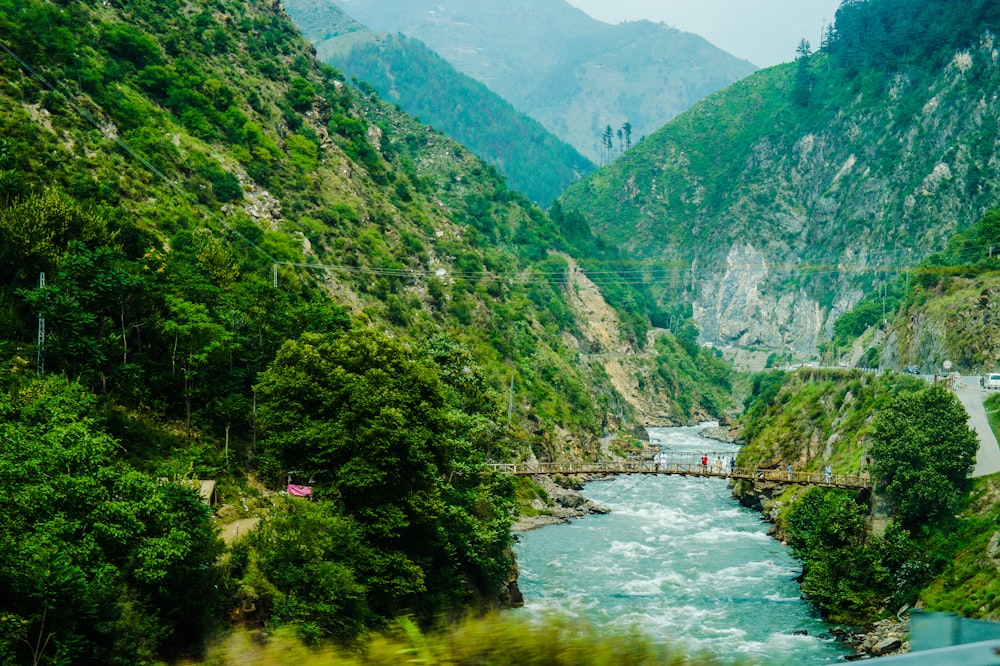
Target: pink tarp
(299,491)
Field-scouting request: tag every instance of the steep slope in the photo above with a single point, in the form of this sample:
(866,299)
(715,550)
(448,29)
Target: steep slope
(575,75)
(234,188)
(794,192)
(209,142)
(950,311)
(403,70)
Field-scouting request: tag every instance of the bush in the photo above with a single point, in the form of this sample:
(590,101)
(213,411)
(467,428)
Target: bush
(923,452)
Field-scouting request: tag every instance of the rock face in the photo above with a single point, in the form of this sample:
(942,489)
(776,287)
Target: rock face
(786,224)
(719,433)
(883,638)
(737,309)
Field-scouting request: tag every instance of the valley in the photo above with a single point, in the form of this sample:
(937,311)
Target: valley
(229,261)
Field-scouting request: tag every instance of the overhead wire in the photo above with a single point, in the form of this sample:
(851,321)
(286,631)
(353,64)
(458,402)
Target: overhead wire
(629,272)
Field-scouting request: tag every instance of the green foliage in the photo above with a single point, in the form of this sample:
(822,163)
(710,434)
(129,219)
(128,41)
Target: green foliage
(497,639)
(100,563)
(373,422)
(849,575)
(968,584)
(923,452)
(301,94)
(36,230)
(889,35)
(312,557)
(694,378)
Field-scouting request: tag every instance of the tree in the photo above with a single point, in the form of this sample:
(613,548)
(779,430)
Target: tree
(99,563)
(804,77)
(608,143)
(311,556)
(848,573)
(627,129)
(923,452)
(399,453)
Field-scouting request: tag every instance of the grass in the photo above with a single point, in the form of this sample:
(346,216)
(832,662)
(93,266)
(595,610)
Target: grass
(992,405)
(493,640)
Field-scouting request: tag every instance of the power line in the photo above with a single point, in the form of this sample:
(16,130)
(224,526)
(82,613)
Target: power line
(645,273)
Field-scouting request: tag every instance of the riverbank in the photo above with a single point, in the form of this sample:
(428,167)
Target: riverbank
(883,638)
(562,504)
(680,561)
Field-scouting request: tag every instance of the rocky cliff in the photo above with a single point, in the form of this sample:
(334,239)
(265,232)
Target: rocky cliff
(788,212)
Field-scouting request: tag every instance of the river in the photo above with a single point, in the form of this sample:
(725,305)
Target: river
(680,559)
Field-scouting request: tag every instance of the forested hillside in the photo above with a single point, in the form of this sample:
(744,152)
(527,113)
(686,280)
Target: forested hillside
(866,557)
(404,71)
(577,76)
(784,199)
(222,261)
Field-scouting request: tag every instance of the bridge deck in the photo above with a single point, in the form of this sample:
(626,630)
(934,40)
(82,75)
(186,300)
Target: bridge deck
(688,468)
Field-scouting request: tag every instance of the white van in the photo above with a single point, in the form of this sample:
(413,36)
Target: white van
(993,381)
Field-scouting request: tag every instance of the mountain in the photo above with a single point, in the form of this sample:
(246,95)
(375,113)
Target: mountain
(775,205)
(575,75)
(403,70)
(950,312)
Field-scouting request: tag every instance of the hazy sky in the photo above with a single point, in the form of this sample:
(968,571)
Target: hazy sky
(765,32)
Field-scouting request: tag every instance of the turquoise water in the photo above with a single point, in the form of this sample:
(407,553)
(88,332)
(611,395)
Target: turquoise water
(681,560)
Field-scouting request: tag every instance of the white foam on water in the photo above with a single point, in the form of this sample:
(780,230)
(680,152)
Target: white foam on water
(631,549)
(679,559)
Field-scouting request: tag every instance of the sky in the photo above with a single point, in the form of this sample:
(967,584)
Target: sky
(765,32)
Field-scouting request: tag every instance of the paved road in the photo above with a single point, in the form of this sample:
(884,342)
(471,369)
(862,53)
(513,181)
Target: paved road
(988,457)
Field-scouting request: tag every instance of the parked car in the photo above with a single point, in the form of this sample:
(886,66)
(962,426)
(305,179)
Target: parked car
(992,382)
(911,370)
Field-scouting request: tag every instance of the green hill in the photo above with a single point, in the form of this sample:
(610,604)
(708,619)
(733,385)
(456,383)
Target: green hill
(786,197)
(575,75)
(403,70)
(221,261)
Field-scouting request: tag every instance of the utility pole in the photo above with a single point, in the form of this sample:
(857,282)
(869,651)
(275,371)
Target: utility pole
(39,358)
(510,400)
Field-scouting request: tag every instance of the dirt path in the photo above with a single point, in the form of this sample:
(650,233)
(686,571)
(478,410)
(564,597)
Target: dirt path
(988,456)
(234,530)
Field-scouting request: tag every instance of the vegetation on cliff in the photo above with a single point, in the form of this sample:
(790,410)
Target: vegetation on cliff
(921,452)
(950,312)
(793,193)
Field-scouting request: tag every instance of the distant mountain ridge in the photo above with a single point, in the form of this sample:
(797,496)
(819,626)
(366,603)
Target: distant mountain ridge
(405,71)
(572,73)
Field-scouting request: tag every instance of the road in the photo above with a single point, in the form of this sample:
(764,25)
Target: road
(988,456)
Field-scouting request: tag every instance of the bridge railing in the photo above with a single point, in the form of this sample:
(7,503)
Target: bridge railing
(687,468)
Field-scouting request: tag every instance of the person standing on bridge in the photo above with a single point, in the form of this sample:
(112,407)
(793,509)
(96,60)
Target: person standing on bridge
(791,468)
(827,474)
(704,463)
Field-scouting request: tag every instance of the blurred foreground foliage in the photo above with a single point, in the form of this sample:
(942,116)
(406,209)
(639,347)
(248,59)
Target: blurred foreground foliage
(497,640)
